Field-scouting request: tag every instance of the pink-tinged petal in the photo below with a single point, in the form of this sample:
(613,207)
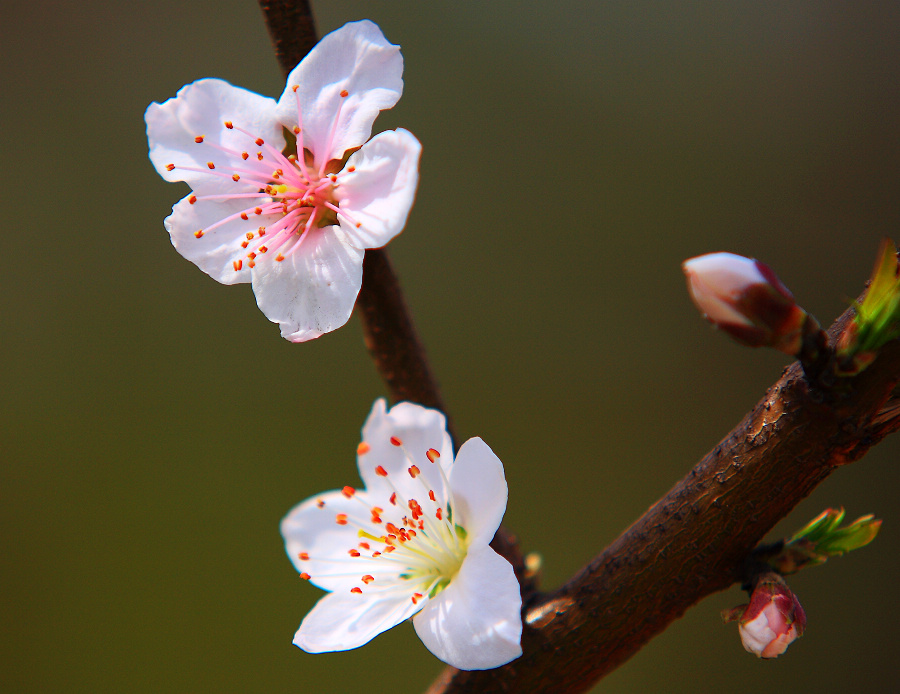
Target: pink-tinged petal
(311,291)
(357,59)
(217,252)
(341,621)
(378,188)
(479,488)
(319,547)
(417,429)
(475,623)
(200,109)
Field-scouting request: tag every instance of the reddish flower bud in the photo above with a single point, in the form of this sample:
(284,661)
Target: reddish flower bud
(744,298)
(772,620)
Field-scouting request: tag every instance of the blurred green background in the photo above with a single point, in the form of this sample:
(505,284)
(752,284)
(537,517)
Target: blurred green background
(155,427)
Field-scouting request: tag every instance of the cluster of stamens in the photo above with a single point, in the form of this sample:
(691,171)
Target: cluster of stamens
(302,195)
(421,545)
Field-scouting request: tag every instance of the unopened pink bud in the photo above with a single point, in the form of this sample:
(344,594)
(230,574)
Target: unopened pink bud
(744,298)
(772,620)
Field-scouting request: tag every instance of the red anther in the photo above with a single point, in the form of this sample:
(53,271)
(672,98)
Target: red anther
(362,448)
(351,169)
(192,199)
(356,590)
(198,139)
(367,579)
(365,545)
(393,499)
(251,264)
(348,491)
(320,503)
(421,525)
(259,156)
(249,235)
(210,165)
(416,597)
(259,142)
(198,233)
(237,264)
(389,548)
(304,576)
(262,231)
(251,255)
(381,472)
(377,510)
(244,244)
(295,87)
(244,216)
(414,472)
(279,257)
(303,556)
(358,225)
(278,172)
(257,210)
(439,514)
(245,156)
(395,441)
(263,249)
(411,532)
(333,178)
(353,553)
(391,528)
(431,495)
(376,554)
(376,519)
(235,178)
(169,167)
(341,519)
(432,455)
(229,124)
(296,130)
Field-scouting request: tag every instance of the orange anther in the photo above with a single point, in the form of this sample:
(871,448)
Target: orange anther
(356,590)
(353,553)
(320,503)
(263,249)
(345,93)
(414,472)
(169,167)
(393,499)
(210,165)
(341,519)
(303,556)
(229,124)
(235,178)
(416,597)
(380,471)
(439,514)
(431,494)
(367,579)
(245,156)
(432,455)
(348,491)
(362,448)
(279,257)
(351,169)
(244,244)
(244,216)
(237,265)
(192,199)
(198,233)
(198,139)
(304,576)
(395,441)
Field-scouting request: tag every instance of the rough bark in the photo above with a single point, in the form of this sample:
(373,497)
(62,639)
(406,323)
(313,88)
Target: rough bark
(695,540)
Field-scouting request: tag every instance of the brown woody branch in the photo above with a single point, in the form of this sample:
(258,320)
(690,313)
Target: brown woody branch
(695,540)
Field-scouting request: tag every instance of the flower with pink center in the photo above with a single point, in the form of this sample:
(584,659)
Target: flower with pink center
(412,544)
(288,195)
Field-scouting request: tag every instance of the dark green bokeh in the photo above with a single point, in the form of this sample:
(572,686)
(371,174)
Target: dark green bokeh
(155,427)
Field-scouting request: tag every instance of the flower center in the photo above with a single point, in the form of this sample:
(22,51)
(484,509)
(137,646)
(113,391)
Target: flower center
(294,196)
(409,546)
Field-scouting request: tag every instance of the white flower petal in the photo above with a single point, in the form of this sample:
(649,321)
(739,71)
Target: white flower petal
(341,621)
(201,109)
(479,488)
(418,428)
(475,623)
(312,527)
(313,290)
(356,58)
(380,192)
(216,250)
